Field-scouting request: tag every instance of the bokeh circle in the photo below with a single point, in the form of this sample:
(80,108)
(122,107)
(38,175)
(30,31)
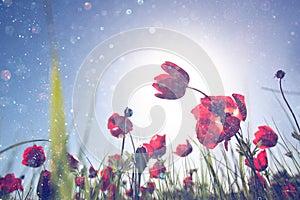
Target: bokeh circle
(119,72)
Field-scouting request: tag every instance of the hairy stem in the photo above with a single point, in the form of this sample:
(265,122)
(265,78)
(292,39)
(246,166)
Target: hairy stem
(288,105)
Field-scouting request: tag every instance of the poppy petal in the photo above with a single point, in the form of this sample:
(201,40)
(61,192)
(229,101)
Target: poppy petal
(201,112)
(209,133)
(240,101)
(176,71)
(219,104)
(165,92)
(231,126)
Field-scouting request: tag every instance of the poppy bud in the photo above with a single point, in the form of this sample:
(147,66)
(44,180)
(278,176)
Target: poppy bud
(45,189)
(279,74)
(141,158)
(128,112)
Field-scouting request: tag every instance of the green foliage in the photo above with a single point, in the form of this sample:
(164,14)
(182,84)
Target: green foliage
(59,163)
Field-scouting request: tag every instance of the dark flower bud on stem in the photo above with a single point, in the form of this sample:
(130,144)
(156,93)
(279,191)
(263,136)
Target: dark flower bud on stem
(279,74)
(128,112)
(141,158)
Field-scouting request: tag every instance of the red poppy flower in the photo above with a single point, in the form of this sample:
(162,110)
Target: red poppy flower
(92,172)
(150,187)
(218,118)
(107,176)
(73,161)
(173,84)
(288,190)
(188,183)
(9,184)
(260,162)
(45,188)
(184,150)
(79,181)
(266,136)
(34,156)
(118,125)
(157,146)
(157,171)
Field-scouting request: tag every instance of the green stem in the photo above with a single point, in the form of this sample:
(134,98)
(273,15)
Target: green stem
(19,194)
(199,92)
(247,153)
(21,143)
(27,195)
(288,105)
(133,146)
(137,190)
(119,170)
(123,143)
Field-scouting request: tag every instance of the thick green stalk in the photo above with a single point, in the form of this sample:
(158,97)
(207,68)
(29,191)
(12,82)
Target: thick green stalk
(60,167)
(58,149)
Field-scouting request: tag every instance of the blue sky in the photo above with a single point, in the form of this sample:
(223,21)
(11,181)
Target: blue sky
(248,41)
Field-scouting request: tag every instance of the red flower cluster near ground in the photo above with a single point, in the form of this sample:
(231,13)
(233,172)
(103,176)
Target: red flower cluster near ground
(34,156)
(107,176)
(10,183)
(149,188)
(288,190)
